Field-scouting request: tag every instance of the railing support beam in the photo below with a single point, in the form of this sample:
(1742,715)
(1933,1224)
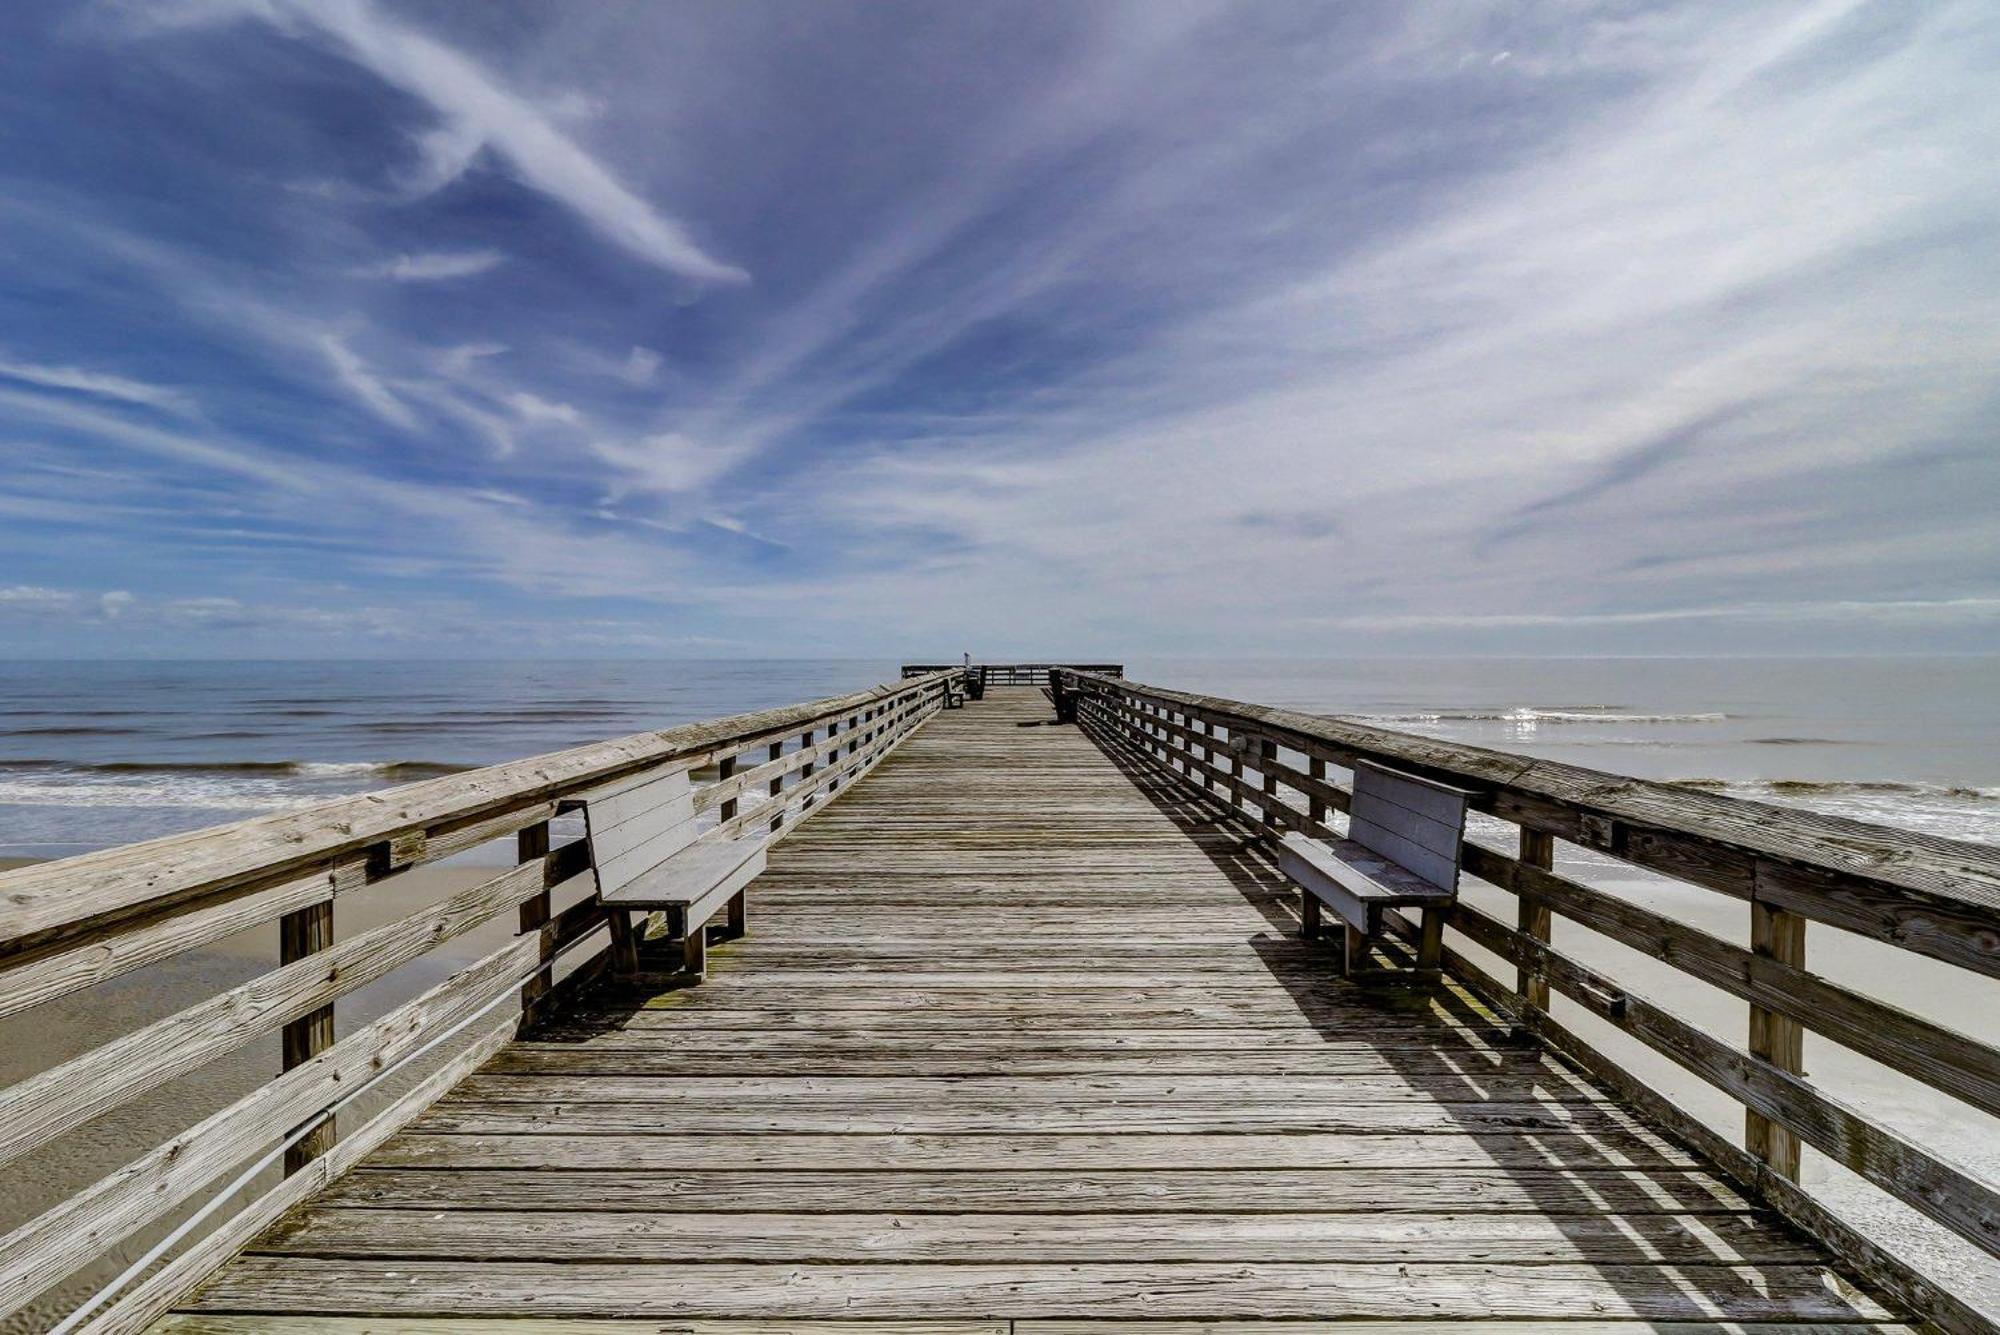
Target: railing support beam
(1537,921)
(304,932)
(1778,1039)
(531,844)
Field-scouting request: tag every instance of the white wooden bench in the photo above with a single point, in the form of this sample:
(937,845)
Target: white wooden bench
(1401,850)
(646,858)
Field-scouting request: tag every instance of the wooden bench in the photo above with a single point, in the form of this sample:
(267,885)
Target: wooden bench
(646,858)
(1401,850)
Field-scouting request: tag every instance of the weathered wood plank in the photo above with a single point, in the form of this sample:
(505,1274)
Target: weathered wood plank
(1251,1291)
(1579,1152)
(592,1235)
(1016,1190)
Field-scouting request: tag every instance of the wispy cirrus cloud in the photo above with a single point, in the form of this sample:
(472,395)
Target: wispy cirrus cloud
(433,266)
(99,385)
(480,113)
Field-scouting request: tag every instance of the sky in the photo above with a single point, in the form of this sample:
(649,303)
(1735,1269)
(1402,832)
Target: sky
(734,328)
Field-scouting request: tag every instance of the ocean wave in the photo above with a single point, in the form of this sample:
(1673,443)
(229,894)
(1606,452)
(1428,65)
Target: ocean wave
(1532,716)
(384,769)
(71,730)
(1842,788)
(1801,741)
(246,786)
(209,796)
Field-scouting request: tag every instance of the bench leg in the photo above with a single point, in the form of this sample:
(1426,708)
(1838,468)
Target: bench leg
(1353,949)
(695,944)
(1430,941)
(1309,927)
(738,922)
(624,945)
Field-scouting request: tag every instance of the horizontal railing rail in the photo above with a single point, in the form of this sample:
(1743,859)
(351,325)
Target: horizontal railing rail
(1932,896)
(1013,674)
(69,925)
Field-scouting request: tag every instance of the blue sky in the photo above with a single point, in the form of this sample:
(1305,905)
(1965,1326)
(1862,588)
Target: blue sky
(706,328)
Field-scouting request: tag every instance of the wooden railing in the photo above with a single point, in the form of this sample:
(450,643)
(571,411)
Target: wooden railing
(1935,897)
(1013,674)
(66,926)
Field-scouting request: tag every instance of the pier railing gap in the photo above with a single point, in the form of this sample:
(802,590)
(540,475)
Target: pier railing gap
(70,925)
(1933,896)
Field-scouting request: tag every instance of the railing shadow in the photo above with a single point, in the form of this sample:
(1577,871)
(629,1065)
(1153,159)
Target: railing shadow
(1571,1154)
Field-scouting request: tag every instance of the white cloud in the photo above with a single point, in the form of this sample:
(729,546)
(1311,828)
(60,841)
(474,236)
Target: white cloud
(641,365)
(480,112)
(99,384)
(433,266)
(353,372)
(34,598)
(534,408)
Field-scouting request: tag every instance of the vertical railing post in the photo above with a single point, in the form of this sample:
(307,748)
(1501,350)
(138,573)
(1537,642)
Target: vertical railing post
(1536,921)
(1778,935)
(1232,765)
(833,757)
(1207,754)
(304,932)
(806,770)
(737,921)
(775,787)
(1315,804)
(1267,766)
(531,844)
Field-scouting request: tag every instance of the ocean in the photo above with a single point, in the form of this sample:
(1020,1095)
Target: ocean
(100,753)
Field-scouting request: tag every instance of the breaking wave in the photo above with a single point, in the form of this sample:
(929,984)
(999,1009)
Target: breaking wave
(244,785)
(1533,715)
(1840,788)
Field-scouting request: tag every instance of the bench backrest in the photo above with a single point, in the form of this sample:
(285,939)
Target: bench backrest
(1413,822)
(637,823)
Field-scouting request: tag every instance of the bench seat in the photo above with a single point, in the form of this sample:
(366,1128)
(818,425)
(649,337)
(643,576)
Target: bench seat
(701,876)
(1354,881)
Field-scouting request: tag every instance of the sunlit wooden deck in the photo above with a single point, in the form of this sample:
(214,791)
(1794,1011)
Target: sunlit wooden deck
(1021,1034)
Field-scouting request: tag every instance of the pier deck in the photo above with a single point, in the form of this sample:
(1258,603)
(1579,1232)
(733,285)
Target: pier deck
(1022,1033)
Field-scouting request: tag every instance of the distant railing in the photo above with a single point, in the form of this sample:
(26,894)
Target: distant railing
(68,925)
(1932,896)
(1012,674)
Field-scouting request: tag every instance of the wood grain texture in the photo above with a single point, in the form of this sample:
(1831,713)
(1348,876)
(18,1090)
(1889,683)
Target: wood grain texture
(1023,1033)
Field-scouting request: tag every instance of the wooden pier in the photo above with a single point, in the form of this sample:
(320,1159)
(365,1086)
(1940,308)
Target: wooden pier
(1022,1038)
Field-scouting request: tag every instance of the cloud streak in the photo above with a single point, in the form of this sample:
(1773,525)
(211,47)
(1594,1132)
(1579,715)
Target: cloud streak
(481,113)
(433,267)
